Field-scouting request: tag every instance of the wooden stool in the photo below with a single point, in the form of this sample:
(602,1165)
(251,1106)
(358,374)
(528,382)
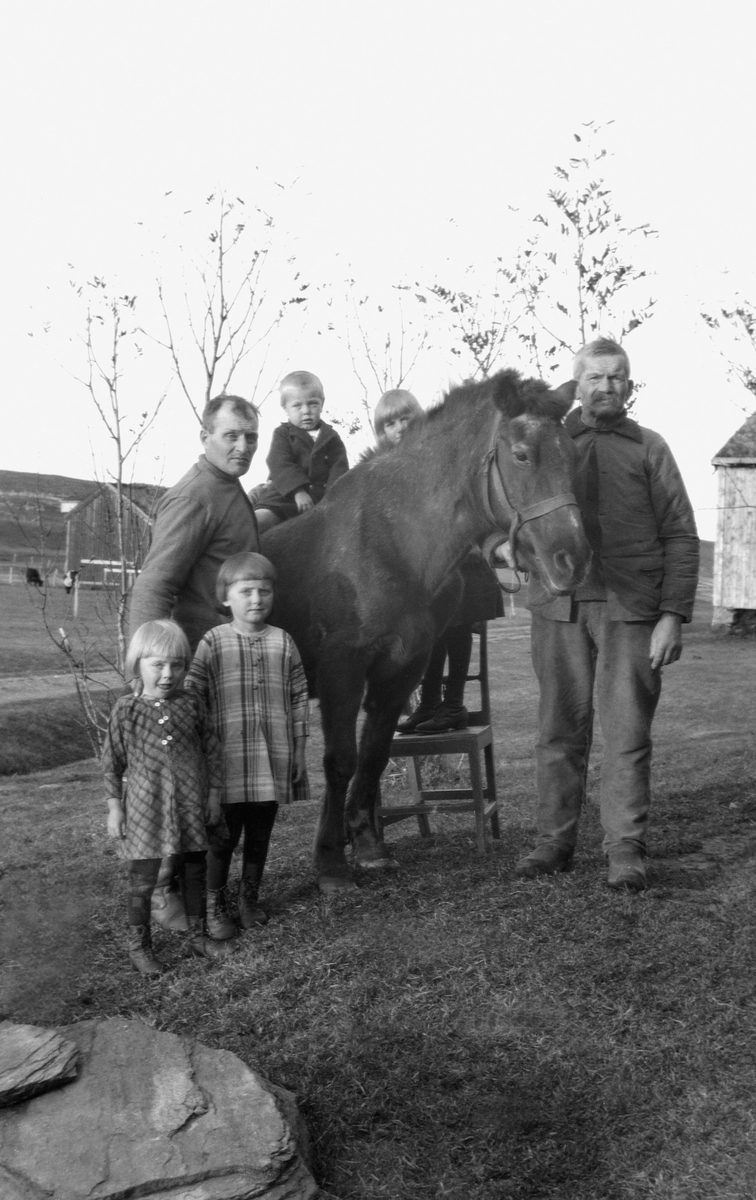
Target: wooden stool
(480,797)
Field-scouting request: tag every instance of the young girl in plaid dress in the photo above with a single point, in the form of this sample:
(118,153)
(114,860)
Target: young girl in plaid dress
(163,772)
(251,678)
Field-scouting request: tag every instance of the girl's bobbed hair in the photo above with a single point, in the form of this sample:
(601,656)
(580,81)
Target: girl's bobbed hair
(159,638)
(395,403)
(243,566)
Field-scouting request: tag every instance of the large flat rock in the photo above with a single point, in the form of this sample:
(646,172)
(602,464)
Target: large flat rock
(33,1060)
(153,1115)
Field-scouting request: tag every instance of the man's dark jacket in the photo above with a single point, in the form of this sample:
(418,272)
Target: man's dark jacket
(641,525)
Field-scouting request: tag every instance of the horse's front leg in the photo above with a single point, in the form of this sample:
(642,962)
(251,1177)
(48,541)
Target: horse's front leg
(383,704)
(341,680)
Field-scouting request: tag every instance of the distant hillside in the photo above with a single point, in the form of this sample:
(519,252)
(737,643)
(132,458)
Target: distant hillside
(51,487)
(32,525)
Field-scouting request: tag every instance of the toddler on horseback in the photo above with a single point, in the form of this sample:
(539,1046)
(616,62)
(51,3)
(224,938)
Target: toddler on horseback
(306,454)
(251,678)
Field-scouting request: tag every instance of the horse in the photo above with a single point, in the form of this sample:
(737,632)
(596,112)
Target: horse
(367,579)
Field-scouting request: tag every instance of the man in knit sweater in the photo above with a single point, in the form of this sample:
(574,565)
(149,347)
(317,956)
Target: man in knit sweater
(200,522)
(618,631)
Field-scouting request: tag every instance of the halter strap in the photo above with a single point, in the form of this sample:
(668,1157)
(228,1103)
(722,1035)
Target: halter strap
(546,506)
(494,483)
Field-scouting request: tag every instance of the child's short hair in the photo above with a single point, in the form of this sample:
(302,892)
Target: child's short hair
(301,381)
(394,403)
(160,639)
(243,566)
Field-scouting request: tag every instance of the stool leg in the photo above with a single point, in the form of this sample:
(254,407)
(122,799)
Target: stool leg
(488,757)
(479,803)
(416,787)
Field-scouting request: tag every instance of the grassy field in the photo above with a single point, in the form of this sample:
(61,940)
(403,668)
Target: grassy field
(32,619)
(40,732)
(449,1030)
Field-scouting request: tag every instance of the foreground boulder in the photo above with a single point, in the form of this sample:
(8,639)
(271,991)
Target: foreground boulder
(33,1060)
(154,1115)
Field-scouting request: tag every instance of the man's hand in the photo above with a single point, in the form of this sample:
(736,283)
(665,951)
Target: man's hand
(303,501)
(116,819)
(666,641)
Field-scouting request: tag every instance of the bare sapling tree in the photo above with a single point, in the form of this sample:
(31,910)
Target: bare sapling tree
(229,301)
(386,335)
(733,331)
(112,341)
(574,278)
(111,347)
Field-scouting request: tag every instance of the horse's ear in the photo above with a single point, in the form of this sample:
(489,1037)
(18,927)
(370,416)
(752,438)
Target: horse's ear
(506,393)
(565,395)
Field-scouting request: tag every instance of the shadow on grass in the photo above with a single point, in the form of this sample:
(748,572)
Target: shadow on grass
(37,735)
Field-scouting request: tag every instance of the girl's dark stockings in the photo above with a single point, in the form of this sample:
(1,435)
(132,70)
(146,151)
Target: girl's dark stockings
(143,875)
(456,644)
(256,822)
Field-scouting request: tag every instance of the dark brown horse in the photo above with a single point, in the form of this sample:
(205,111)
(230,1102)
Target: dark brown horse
(367,579)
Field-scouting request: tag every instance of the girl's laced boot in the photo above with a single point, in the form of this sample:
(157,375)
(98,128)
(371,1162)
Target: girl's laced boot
(168,909)
(251,912)
(220,927)
(200,945)
(141,955)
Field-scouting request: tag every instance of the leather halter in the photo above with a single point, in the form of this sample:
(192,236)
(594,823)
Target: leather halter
(495,489)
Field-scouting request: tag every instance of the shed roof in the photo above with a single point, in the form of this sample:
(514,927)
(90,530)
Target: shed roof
(742,444)
(142,496)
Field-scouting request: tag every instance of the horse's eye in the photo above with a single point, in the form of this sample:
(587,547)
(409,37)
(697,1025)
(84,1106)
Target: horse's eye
(520,455)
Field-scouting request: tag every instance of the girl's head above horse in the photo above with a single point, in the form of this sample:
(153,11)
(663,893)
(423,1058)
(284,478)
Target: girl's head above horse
(505,407)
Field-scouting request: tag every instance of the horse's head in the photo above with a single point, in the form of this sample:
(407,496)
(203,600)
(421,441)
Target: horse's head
(528,489)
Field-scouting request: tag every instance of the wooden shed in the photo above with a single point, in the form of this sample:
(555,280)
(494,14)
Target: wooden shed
(92,531)
(735,548)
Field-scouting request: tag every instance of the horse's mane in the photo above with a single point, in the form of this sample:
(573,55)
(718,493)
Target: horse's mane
(509,391)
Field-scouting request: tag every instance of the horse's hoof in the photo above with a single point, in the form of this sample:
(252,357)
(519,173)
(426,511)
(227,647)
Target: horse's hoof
(376,862)
(330,884)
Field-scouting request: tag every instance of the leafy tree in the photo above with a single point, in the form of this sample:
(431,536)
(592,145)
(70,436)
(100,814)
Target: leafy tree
(484,320)
(733,330)
(573,279)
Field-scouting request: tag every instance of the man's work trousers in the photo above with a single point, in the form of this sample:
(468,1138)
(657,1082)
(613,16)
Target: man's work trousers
(569,658)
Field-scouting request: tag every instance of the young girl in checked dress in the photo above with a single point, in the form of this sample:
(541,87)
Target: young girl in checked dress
(161,739)
(251,678)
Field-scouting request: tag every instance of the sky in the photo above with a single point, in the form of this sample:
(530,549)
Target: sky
(396,141)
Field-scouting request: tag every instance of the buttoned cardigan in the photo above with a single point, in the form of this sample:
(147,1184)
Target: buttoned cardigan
(647,550)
